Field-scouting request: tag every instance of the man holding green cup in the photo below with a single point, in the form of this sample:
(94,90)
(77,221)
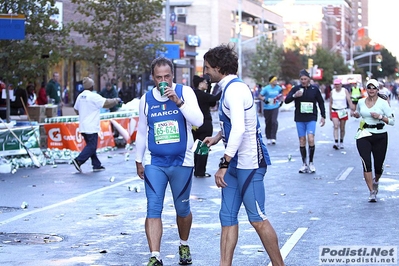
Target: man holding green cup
(162,87)
(166,115)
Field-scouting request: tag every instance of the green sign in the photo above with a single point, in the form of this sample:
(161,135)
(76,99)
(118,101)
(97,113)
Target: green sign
(9,145)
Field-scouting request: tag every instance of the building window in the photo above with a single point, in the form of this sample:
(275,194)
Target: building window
(181,19)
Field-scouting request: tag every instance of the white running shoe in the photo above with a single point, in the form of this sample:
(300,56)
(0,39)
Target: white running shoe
(304,169)
(341,146)
(312,169)
(269,142)
(372,197)
(273,141)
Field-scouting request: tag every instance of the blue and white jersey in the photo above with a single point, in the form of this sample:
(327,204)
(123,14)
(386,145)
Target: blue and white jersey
(165,130)
(241,131)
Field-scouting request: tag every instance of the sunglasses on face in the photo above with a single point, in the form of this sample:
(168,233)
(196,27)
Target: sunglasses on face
(372,88)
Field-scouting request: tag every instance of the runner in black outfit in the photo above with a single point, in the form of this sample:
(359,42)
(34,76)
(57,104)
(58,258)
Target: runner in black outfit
(205,101)
(306,97)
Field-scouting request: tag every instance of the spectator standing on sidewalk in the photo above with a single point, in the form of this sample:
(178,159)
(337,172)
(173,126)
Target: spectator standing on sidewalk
(205,102)
(53,92)
(307,97)
(243,165)
(372,137)
(87,106)
(164,128)
(109,92)
(41,95)
(20,98)
(31,93)
(271,95)
(339,100)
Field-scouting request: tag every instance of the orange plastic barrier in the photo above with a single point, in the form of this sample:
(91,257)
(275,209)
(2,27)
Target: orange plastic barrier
(66,135)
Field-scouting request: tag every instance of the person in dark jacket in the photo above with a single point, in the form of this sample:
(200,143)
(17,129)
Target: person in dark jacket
(109,92)
(306,97)
(17,104)
(205,101)
(53,92)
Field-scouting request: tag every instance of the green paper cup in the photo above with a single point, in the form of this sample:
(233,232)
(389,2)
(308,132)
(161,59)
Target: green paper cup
(200,148)
(162,87)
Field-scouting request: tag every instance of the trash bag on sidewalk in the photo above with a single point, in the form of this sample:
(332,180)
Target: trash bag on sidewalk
(5,166)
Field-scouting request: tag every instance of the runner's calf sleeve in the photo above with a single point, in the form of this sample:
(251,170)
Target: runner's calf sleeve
(311,153)
(303,153)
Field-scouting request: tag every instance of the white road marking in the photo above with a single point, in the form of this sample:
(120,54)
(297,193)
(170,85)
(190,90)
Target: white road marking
(71,200)
(345,174)
(291,242)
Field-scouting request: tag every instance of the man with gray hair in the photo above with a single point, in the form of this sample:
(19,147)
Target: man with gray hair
(87,106)
(306,97)
(167,113)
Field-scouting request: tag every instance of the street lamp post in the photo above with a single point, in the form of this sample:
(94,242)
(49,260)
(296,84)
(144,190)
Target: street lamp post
(167,20)
(239,38)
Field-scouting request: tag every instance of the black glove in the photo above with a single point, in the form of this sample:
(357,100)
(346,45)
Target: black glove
(266,101)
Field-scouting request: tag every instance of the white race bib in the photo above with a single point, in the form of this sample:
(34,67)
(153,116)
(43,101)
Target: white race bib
(166,132)
(342,113)
(306,107)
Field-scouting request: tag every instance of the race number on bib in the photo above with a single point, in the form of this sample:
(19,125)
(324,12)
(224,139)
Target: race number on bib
(166,132)
(342,113)
(306,107)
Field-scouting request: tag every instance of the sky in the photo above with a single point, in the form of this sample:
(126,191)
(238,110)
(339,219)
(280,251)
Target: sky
(383,24)
(382,19)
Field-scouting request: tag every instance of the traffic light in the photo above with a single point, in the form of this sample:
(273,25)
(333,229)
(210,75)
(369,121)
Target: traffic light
(313,36)
(396,71)
(310,63)
(379,68)
(307,35)
(378,58)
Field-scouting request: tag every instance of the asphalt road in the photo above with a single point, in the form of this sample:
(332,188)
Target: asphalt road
(85,219)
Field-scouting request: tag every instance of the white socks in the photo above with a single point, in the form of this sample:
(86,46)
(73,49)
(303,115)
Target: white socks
(156,254)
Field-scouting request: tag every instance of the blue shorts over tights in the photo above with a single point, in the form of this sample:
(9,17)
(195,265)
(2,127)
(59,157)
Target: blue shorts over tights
(243,186)
(156,180)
